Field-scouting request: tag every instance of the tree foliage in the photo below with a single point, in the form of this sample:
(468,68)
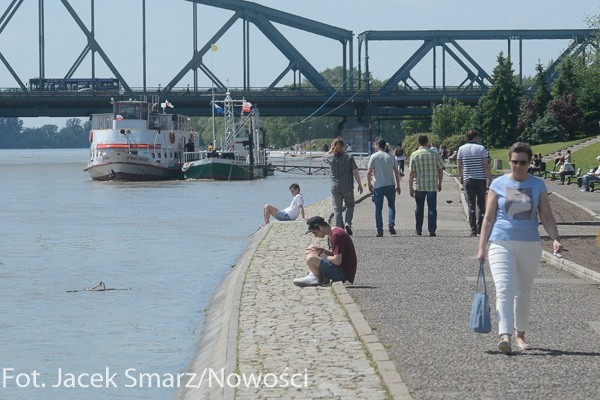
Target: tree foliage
(416,125)
(546,129)
(451,117)
(566,82)
(14,136)
(500,106)
(567,113)
(542,95)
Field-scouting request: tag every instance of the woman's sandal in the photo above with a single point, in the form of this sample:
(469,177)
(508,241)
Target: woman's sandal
(522,346)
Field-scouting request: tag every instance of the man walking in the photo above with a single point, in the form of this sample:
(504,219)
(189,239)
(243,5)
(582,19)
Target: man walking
(342,170)
(425,180)
(474,171)
(387,183)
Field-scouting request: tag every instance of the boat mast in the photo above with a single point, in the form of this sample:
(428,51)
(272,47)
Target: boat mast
(230,128)
(212,89)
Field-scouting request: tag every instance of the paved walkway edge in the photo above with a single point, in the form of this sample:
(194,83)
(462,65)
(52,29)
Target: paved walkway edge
(587,210)
(386,368)
(570,267)
(217,347)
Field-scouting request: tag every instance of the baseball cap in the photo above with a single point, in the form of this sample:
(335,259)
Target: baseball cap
(314,223)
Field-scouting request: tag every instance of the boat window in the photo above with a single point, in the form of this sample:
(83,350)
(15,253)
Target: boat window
(153,155)
(133,110)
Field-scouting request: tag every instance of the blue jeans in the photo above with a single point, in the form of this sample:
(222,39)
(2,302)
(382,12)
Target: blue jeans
(589,178)
(389,192)
(431,210)
(330,271)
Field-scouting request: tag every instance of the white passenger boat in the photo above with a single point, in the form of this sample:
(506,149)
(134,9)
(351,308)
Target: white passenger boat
(138,142)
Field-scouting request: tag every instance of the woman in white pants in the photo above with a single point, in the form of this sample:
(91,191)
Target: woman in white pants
(514,202)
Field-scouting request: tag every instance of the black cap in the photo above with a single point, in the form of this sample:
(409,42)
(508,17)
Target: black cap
(314,223)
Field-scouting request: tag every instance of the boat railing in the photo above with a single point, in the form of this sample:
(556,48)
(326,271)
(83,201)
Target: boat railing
(260,156)
(194,155)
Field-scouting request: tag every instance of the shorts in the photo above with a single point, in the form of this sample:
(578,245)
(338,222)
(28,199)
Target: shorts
(281,216)
(331,271)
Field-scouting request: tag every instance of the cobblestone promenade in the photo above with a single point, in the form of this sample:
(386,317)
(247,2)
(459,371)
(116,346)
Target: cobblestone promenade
(415,294)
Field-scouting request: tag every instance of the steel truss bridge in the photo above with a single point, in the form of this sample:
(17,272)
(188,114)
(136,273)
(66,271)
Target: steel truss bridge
(287,95)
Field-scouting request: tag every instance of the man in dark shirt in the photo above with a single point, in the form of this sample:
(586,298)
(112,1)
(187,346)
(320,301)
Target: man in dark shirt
(343,169)
(325,266)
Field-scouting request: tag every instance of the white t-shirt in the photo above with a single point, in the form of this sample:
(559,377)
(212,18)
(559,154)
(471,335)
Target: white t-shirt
(293,211)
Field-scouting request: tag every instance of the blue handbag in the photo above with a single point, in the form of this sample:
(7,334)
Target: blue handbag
(480,312)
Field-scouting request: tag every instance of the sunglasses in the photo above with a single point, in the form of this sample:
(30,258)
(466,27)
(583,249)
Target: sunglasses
(520,162)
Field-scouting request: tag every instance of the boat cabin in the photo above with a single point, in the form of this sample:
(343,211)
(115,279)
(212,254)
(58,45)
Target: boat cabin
(138,115)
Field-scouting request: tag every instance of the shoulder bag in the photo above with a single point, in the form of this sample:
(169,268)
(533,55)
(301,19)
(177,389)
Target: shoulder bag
(480,311)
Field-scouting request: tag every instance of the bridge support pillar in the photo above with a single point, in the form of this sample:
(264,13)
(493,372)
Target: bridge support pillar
(356,134)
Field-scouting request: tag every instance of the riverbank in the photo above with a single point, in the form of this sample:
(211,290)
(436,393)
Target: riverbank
(414,293)
(301,341)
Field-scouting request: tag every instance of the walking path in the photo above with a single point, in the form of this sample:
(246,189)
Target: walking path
(415,293)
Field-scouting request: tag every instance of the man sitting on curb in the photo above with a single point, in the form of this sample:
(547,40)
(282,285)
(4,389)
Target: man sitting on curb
(325,266)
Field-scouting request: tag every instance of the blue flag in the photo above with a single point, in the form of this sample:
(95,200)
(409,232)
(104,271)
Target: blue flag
(219,110)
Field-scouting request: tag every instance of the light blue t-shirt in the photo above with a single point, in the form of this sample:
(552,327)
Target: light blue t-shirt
(517,214)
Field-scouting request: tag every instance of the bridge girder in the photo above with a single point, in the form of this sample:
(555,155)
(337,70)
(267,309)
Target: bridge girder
(447,40)
(275,99)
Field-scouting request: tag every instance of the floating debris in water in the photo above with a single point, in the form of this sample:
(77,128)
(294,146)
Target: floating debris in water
(100,287)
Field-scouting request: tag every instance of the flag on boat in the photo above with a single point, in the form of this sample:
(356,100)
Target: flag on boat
(219,110)
(214,47)
(246,106)
(168,104)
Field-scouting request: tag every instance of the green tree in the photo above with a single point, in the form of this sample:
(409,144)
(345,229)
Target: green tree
(588,96)
(542,95)
(73,135)
(500,107)
(546,129)
(451,117)
(10,129)
(416,125)
(566,81)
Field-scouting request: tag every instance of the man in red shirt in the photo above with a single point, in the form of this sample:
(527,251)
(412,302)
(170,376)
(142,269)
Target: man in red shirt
(325,266)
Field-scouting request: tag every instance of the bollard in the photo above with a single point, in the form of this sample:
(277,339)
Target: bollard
(497,164)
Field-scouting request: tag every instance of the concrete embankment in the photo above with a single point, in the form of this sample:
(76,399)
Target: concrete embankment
(300,342)
(415,293)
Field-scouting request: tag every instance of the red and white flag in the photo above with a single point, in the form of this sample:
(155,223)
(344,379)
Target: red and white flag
(246,106)
(168,104)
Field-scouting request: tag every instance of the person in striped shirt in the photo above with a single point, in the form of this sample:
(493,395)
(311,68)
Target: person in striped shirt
(425,180)
(475,176)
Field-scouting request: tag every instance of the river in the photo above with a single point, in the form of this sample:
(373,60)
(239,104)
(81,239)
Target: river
(163,245)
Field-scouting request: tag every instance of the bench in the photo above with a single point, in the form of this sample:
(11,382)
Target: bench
(550,173)
(538,170)
(577,177)
(554,174)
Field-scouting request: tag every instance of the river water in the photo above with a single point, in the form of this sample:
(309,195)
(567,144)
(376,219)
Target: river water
(164,245)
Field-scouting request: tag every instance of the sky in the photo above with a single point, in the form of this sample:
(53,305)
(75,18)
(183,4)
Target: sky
(170,44)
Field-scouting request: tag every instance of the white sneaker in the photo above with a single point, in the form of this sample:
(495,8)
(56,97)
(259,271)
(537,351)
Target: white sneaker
(308,280)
